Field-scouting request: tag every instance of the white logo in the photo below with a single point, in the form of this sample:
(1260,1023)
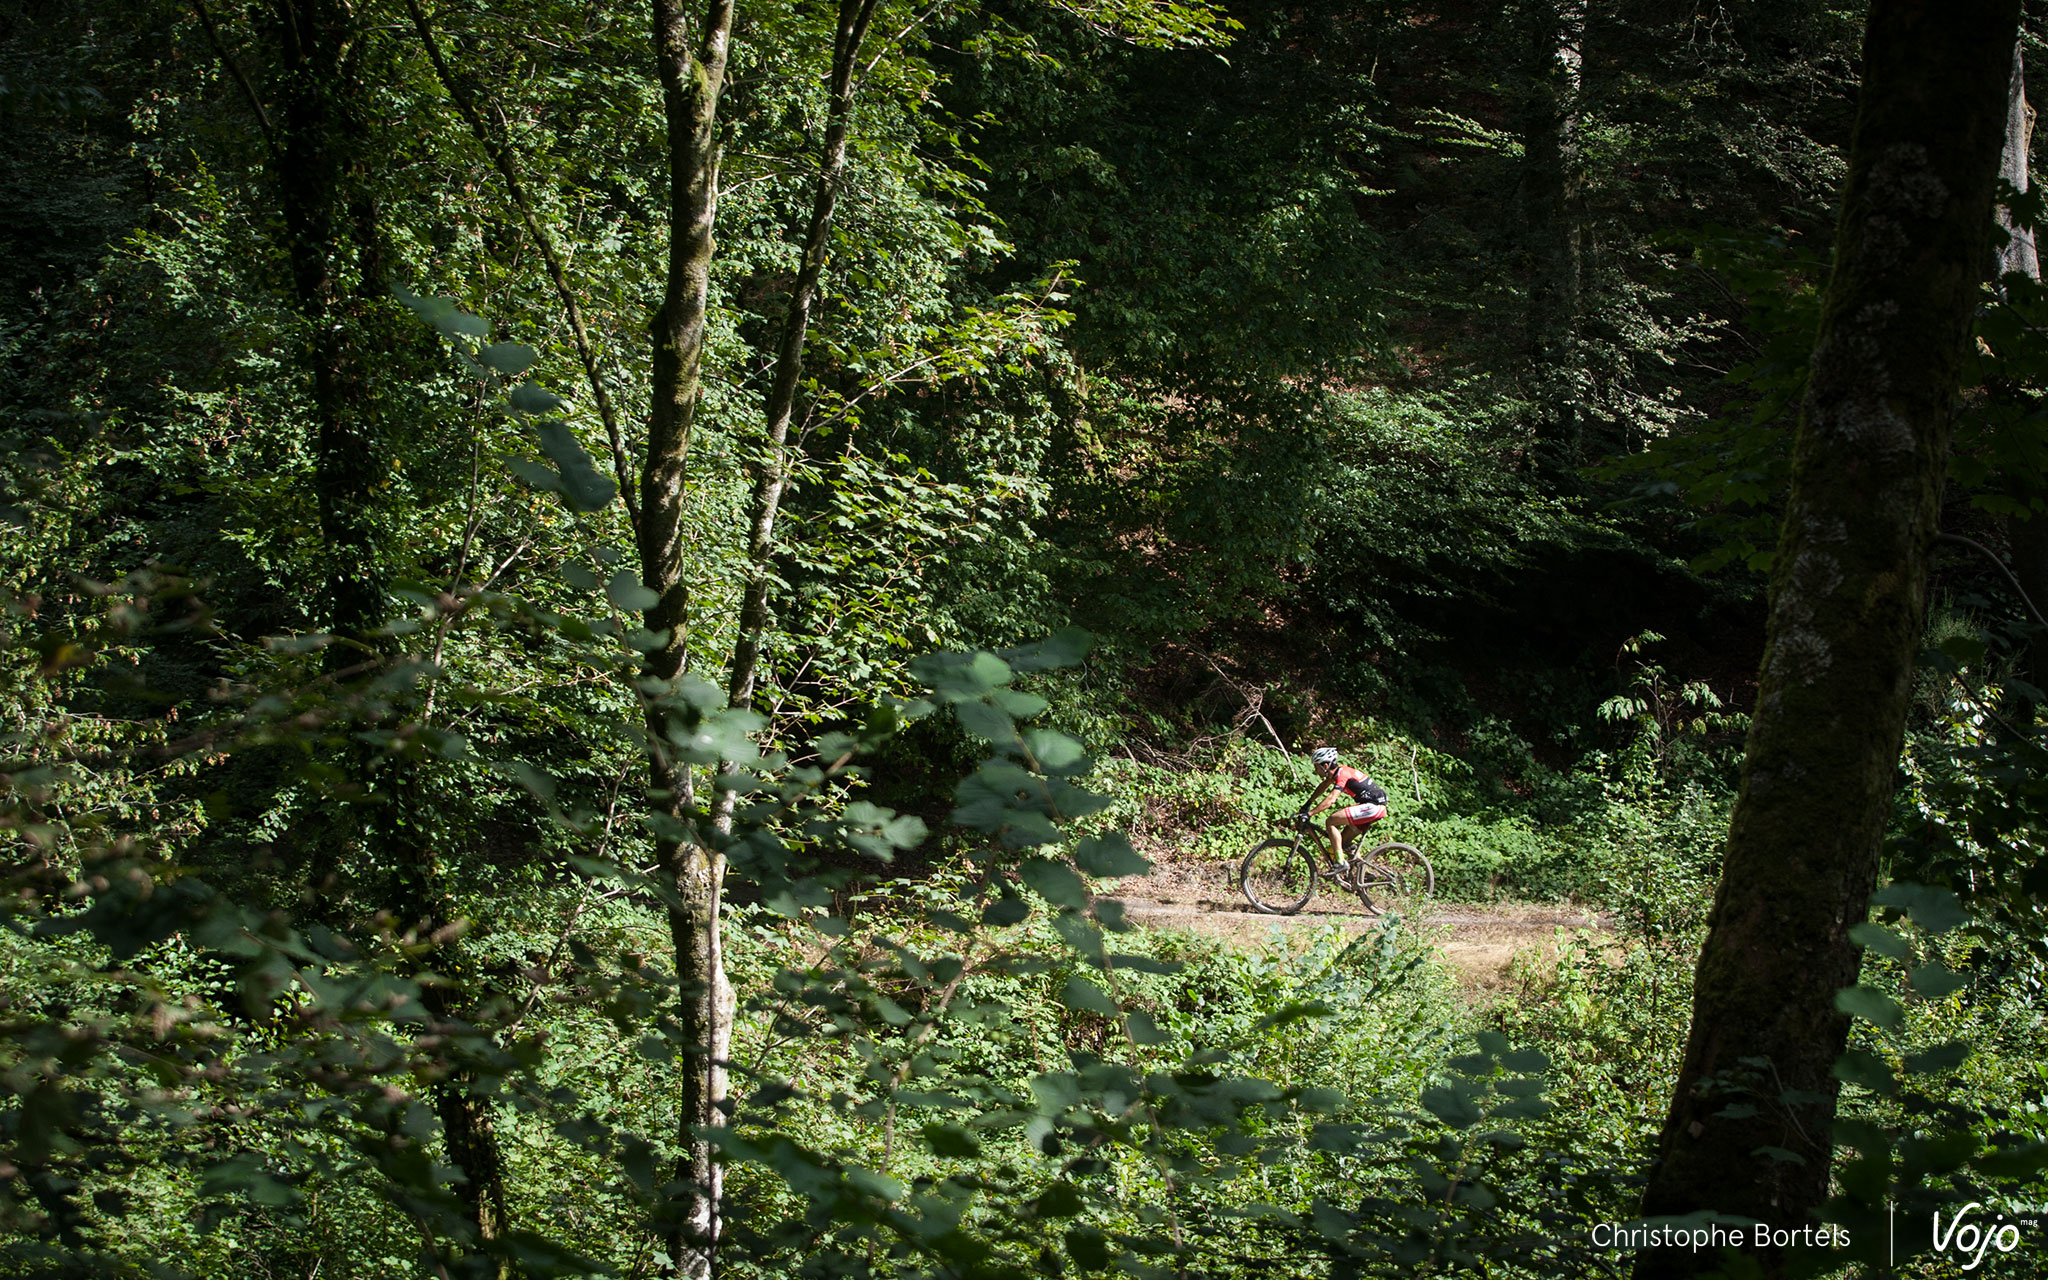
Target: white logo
(1973,1239)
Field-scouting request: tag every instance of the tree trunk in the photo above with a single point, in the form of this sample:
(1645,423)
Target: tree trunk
(469,1132)
(1847,597)
(692,81)
(2018,253)
(322,124)
(771,470)
(319,158)
(2026,535)
(1556,32)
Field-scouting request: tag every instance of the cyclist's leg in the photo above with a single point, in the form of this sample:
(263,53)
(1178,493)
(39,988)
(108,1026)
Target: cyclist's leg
(1360,816)
(1334,827)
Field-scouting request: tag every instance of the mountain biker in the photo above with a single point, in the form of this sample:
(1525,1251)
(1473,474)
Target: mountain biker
(1363,801)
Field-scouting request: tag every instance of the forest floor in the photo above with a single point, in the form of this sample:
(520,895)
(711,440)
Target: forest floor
(1493,946)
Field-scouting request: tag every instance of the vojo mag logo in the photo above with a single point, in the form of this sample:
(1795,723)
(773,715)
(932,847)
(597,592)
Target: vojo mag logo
(1971,1235)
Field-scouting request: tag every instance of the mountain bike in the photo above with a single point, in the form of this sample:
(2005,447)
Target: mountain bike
(1280,875)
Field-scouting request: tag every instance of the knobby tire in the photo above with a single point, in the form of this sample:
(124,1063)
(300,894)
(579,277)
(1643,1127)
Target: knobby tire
(1392,877)
(1279,876)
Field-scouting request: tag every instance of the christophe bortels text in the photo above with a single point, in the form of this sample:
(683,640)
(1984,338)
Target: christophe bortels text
(1755,1235)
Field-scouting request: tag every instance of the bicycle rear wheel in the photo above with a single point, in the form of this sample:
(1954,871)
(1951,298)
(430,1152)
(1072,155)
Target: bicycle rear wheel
(1393,877)
(1278,877)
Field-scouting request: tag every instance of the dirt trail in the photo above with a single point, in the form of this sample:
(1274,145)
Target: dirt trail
(1480,941)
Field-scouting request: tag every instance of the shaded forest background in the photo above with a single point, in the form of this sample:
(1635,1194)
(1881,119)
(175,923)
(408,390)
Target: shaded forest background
(1416,378)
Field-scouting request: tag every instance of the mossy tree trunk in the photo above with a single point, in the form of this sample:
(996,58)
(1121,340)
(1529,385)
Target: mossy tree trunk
(691,59)
(1847,599)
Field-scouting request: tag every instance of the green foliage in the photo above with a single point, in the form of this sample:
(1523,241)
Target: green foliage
(1925,1111)
(1205,331)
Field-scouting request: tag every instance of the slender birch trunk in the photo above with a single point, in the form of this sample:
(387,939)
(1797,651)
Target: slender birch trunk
(691,60)
(1848,594)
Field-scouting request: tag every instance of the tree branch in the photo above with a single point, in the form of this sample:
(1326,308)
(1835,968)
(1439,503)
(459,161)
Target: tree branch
(502,159)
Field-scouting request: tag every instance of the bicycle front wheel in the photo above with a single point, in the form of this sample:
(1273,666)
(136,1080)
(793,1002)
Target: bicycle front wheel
(1394,877)
(1278,877)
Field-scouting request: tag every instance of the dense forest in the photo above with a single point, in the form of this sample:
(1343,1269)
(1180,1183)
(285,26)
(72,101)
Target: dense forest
(610,613)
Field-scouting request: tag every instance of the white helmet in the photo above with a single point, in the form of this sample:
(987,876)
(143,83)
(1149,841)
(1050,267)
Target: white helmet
(1323,755)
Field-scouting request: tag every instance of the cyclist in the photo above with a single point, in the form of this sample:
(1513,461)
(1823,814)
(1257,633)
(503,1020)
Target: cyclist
(1363,801)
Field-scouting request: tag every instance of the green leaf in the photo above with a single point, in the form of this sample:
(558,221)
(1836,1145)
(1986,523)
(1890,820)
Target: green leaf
(1055,882)
(534,780)
(1084,996)
(537,474)
(1055,752)
(530,397)
(508,358)
(1075,930)
(1864,1068)
(579,577)
(1144,1029)
(1522,1108)
(2025,1161)
(1965,650)
(952,1141)
(1060,1200)
(1941,1058)
(586,488)
(1935,910)
(1110,855)
(1088,1247)
(985,722)
(1019,704)
(991,671)
(626,593)
(1145,964)
(1871,1006)
(1064,648)
(1454,1105)
(459,323)
(1005,911)
(1320,1100)
(879,1185)
(1880,939)
(1937,980)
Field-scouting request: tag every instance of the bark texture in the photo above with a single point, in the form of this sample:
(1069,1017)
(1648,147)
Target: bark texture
(691,59)
(1847,599)
(2018,253)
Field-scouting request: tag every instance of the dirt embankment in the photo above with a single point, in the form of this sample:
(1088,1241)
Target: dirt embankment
(1481,941)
